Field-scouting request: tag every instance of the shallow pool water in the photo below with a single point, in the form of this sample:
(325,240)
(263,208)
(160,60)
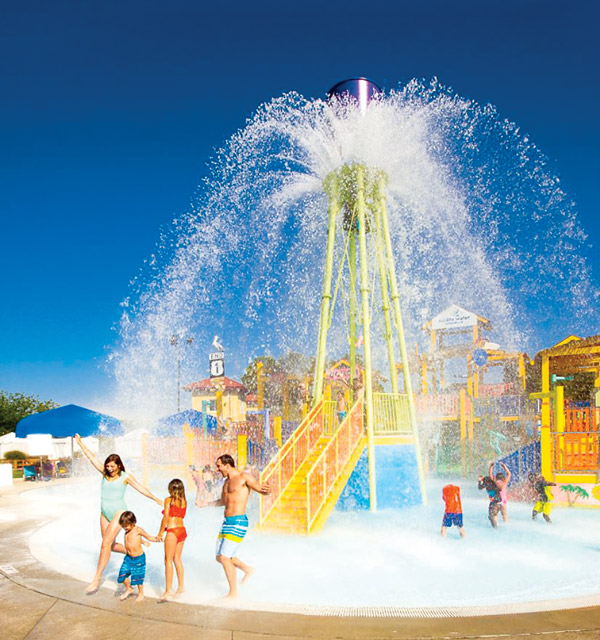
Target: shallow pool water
(383,559)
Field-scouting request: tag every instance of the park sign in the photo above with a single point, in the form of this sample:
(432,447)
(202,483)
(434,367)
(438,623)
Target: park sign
(454,317)
(216,364)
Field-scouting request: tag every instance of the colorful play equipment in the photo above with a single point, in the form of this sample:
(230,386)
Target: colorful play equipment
(466,418)
(315,465)
(570,430)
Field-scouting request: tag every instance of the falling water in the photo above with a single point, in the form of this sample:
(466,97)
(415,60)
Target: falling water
(476,219)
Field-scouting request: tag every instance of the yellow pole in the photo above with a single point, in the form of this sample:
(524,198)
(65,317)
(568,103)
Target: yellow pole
(242,451)
(395,297)
(277,430)
(260,386)
(331,187)
(219,403)
(522,373)
(352,309)
(385,300)
(559,421)
(559,409)
(364,290)
(471,425)
(545,436)
(462,418)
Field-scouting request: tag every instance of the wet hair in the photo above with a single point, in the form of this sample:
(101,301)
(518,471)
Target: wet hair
(500,476)
(177,492)
(227,459)
(116,458)
(126,518)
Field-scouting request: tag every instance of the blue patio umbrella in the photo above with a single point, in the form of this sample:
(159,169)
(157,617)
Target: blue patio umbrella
(66,421)
(172,425)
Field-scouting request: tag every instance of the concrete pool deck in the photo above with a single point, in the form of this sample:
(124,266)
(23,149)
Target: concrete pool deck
(39,603)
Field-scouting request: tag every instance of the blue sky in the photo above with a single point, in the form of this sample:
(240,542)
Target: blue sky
(111,111)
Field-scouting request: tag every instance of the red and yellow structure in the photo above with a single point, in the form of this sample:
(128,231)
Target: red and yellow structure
(570,431)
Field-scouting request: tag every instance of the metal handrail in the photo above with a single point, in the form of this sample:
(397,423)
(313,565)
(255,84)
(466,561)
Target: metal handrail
(281,457)
(392,415)
(357,410)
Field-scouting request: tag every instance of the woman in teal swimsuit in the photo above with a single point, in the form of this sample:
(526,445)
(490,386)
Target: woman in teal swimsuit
(112,505)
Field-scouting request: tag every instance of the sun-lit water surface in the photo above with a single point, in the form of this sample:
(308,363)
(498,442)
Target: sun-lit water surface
(390,558)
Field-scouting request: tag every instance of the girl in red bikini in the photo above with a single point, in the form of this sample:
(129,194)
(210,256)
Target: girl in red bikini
(172,526)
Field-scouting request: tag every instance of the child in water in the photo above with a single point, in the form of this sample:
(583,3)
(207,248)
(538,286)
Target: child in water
(544,496)
(501,479)
(133,569)
(175,534)
(493,491)
(453,514)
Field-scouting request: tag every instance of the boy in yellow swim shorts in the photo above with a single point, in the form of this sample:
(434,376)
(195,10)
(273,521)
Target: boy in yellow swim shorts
(544,496)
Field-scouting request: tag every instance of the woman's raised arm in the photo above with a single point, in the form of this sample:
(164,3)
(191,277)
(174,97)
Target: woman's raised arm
(142,489)
(89,454)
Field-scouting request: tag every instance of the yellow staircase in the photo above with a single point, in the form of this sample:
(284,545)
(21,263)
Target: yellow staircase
(309,473)
(289,514)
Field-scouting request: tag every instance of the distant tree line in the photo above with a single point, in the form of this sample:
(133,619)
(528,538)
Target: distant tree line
(14,406)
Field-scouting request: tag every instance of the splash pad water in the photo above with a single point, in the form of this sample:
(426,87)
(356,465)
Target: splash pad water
(392,563)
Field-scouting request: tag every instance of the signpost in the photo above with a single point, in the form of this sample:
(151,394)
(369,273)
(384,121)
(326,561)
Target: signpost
(480,357)
(216,364)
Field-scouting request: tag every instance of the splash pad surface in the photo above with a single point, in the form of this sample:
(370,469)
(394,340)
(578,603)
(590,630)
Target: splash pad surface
(388,563)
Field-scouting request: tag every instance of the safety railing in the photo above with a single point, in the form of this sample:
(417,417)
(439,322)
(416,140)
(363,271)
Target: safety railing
(322,476)
(582,418)
(575,451)
(498,389)
(510,406)
(280,471)
(391,414)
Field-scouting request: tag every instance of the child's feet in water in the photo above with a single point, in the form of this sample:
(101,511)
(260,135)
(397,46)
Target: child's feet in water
(179,592)
(126,594)
(140,597)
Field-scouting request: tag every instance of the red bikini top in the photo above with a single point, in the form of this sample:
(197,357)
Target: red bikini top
(176,512)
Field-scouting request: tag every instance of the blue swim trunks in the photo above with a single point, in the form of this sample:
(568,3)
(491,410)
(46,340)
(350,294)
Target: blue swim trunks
(232,532)
(452,519)
(134,566)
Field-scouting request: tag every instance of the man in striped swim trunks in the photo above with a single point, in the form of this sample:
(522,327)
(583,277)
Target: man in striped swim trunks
(234,497)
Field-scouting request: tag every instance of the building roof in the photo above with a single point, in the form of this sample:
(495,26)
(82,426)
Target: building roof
(574,354)
(213,384)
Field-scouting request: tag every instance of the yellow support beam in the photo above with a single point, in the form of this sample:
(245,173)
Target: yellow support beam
(545,442)
(242,451)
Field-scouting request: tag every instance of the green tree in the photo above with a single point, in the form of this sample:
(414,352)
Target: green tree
(249,377)
(14,406)
(289,369)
